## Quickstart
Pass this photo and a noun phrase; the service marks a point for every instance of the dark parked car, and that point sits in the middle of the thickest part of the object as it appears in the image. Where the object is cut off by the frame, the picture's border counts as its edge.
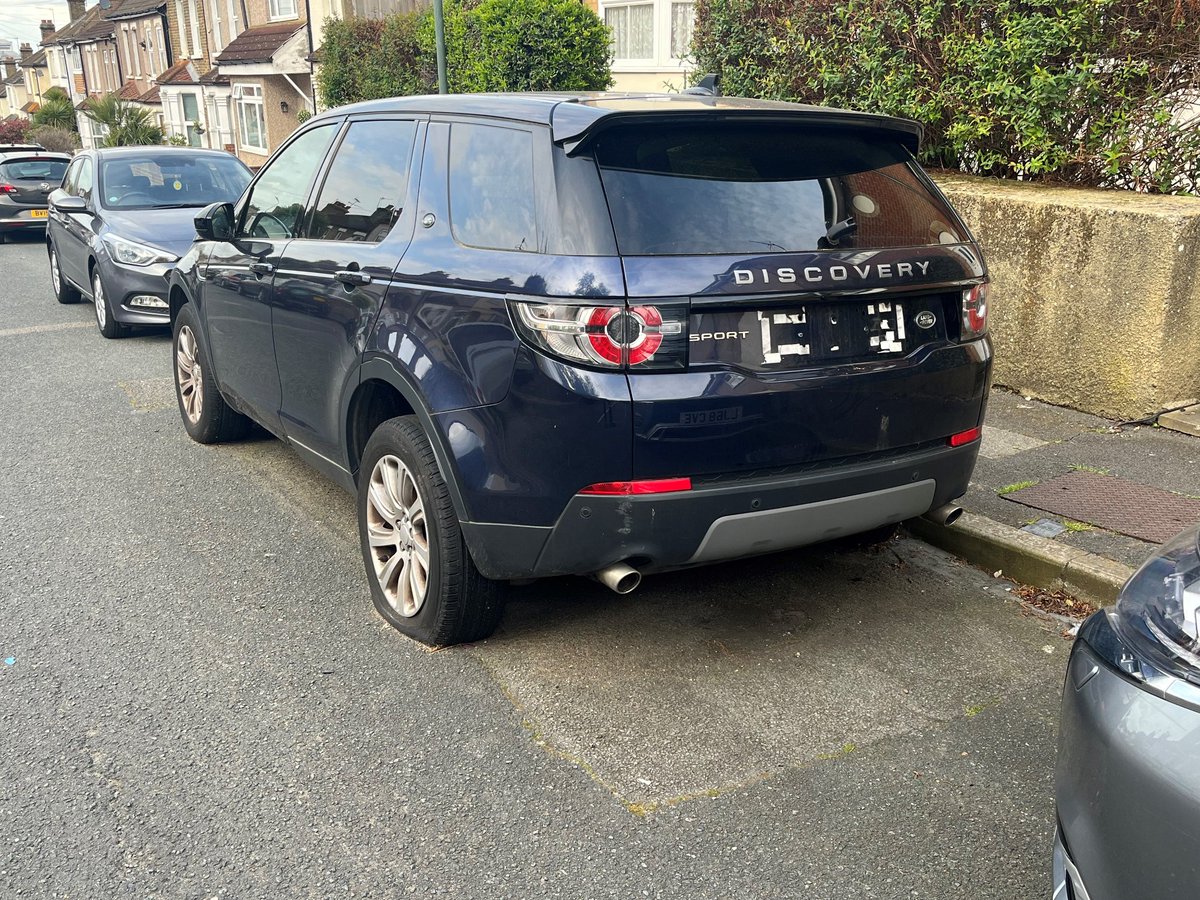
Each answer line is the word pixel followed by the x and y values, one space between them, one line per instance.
pixel 121 219
pixel 26 180
pixel 603 334
pixel 1128 787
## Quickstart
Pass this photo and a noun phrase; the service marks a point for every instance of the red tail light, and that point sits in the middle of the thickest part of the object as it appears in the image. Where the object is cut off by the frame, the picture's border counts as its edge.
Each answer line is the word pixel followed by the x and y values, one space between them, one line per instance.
pixel 648 337
pixel 625 488
pixel 7 189
pixel 965 437
pixel 975 311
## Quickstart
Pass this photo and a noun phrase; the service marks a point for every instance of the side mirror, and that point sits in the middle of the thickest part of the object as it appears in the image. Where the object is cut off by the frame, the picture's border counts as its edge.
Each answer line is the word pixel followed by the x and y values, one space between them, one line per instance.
pixel 215 222
pixel 71 203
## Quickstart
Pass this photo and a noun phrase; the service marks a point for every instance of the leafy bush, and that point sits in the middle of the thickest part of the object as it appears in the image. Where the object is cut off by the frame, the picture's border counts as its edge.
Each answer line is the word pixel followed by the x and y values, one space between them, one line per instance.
pixel 125 124
pixel 58 140
pixel 56 110
pixel 1081 91
pixel 495 45
pixel 13 131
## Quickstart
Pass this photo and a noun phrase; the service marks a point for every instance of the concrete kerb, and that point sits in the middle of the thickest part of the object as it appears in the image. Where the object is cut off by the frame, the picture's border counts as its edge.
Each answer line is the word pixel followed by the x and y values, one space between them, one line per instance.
pixel 1025 557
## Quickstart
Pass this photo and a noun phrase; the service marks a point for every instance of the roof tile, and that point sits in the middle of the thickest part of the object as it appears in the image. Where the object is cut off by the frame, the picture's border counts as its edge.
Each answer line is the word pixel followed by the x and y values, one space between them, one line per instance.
pixel 258 45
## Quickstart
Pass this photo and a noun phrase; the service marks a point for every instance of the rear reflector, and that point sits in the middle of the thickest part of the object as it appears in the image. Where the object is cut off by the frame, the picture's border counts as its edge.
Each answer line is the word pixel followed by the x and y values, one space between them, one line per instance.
pixel 622 488
pixel 965 437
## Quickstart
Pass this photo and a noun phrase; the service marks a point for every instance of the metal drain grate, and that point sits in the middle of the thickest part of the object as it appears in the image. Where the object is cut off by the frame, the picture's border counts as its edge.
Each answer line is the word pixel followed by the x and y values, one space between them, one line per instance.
pixel 1115 504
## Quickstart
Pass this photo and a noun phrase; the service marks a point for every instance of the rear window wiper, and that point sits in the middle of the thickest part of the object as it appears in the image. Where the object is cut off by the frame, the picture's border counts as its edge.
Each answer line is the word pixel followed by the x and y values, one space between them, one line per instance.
pixel 839 230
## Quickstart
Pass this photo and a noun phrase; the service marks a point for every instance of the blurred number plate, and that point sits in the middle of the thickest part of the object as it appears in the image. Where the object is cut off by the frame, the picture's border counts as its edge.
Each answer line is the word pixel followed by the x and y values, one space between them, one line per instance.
pixel 37 213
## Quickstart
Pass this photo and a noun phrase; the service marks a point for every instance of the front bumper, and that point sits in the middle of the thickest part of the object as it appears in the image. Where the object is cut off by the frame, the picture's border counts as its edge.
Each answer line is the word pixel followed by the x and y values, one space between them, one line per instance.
pixel 1127 785
pixel 725 520
pixel 129 288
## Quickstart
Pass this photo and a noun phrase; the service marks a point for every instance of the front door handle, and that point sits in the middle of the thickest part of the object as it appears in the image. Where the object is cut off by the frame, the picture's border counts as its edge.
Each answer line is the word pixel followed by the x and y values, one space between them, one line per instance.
pixel 262 268
pixel 352 278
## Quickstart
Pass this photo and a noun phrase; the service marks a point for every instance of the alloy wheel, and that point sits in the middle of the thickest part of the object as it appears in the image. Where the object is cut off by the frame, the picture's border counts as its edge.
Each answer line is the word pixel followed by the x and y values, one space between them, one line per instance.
pixel 55 278
pixel 190 375
pixel 398 533
pixel 101 306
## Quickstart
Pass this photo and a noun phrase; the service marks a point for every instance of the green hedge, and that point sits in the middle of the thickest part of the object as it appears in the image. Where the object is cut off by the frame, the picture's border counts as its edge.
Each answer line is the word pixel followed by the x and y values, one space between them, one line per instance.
pixel 495 45
pixel 1079 91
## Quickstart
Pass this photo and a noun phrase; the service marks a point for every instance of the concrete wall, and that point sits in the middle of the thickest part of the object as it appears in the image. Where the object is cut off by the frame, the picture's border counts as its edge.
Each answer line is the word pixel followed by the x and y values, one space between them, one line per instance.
pixel 1095 299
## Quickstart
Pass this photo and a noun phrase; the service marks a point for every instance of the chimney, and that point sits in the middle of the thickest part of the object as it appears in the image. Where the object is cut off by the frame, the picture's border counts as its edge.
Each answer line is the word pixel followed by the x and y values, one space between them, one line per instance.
pixel 26 52
pixel 75 8
pixel 10 67
pixel 47 29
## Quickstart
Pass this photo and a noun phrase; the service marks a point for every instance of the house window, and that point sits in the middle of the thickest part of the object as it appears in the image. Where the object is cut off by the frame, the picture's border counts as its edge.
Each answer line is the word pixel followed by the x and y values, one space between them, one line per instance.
pixel 232 21
pixel 191 118
pixel 283 9
pixel 76 60
pixel 150 51
pixel 194 28
pixel 683 18
pixel 162 49
pixel 213 13
pixel 632 27
pixel 252 125
pixel 179 14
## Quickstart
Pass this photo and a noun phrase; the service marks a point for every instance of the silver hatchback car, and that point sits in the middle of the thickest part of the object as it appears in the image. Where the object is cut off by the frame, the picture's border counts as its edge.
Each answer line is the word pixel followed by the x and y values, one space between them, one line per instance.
pixel 1128 781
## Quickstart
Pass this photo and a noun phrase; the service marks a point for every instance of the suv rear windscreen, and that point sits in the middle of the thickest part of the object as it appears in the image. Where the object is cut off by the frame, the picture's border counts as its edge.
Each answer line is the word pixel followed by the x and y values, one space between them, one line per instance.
pixel 764 188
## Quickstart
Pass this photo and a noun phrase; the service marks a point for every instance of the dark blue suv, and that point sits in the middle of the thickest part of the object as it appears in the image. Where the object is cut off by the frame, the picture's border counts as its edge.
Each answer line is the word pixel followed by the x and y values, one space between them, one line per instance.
pixel 594 334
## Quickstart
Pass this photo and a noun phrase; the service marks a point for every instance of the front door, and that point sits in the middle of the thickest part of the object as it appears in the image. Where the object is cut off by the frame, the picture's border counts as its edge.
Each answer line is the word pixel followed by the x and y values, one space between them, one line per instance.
pixel 332 280
pixel 240 275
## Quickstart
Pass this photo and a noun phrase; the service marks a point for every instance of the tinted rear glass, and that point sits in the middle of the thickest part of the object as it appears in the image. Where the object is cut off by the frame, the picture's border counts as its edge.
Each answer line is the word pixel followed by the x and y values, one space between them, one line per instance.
pixel 764 188
pixel 51 170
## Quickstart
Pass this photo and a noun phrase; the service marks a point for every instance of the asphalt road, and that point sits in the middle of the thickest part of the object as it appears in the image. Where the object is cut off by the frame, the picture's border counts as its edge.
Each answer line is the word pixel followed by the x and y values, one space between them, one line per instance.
pixel 197 699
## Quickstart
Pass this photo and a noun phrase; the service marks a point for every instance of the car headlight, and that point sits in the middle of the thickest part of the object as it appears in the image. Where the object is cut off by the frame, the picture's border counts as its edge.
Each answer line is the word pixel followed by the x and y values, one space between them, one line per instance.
pixel 1158 612
pixel 131 253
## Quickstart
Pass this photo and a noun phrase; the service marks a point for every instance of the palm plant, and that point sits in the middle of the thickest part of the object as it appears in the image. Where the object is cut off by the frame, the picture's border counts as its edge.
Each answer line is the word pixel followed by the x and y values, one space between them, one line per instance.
pixel 56 110
pixel 124 124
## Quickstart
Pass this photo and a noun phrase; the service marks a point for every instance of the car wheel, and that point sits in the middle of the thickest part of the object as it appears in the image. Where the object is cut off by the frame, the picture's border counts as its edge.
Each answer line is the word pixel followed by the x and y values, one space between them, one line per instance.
pixel 423 580
pixel 206 416
pixel 108 325
pixel 63 292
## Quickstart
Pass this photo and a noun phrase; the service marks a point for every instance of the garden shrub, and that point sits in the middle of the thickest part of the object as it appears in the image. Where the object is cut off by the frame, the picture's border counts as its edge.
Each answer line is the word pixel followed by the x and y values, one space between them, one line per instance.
pixel 492 45
pixel 1078 91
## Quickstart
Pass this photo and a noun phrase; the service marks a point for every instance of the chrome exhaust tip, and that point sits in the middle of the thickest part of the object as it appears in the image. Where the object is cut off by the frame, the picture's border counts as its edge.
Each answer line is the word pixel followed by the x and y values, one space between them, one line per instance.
pixel 620 578
pixel 946 514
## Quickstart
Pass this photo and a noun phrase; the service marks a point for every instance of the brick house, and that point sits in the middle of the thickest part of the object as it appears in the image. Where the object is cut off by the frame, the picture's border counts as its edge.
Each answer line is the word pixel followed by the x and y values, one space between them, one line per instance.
pixel 143 51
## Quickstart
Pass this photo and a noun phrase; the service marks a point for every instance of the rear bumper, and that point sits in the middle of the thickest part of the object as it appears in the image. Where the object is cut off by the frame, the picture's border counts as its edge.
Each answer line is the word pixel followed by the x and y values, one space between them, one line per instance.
pixel 725 519
pixel 1127 787
pixel 14 219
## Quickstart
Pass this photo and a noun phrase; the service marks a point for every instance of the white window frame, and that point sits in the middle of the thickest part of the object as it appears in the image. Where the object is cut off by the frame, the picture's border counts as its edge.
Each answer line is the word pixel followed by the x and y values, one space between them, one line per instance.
pixel 162 48
pixel 234 25
pixel 212 11
pixel 247 97
pixel 183 42
pixel 661 59
pixel 278 10
pixel 150 51
pixel 194 29
pixel 76 60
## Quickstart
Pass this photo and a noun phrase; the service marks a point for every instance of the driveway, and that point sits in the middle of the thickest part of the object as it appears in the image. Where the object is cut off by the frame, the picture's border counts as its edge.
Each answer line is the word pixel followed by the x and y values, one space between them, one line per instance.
pixel 197 699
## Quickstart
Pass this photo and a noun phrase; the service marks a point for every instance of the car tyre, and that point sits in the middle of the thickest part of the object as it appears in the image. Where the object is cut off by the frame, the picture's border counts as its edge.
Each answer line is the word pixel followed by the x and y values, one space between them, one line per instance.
pixel 423 580
pixel 206 416
pixel 64 292
pixel 105 321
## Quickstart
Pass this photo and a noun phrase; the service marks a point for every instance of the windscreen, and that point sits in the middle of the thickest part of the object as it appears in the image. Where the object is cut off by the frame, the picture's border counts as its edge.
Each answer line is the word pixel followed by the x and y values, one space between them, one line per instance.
pixel 764 188
pixel 166 180
pixel 49 170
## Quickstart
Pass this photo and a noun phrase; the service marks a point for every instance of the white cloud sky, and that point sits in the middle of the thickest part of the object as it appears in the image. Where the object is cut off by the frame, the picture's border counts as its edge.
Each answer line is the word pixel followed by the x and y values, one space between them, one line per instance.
pixel 19 18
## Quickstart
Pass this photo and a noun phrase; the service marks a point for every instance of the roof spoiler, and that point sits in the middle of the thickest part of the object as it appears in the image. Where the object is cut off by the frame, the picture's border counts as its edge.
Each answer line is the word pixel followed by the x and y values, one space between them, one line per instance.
pixel 574 131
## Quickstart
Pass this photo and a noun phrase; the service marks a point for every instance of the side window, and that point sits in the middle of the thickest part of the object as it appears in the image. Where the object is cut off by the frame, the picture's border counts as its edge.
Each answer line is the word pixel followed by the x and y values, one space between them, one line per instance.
pixel 276 201
pixel 72 176
pixel 363 194
pixel 83 184
pixel 491 187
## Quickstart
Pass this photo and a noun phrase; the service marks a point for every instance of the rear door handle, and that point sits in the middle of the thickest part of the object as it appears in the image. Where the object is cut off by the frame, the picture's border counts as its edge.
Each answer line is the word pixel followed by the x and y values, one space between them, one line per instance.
pixel 351 278
pixel 262 268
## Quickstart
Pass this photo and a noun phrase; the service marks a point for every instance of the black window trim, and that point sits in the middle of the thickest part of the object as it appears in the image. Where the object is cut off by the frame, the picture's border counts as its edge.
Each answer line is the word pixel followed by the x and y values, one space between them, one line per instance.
pixel 239 211
pixel 407 215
